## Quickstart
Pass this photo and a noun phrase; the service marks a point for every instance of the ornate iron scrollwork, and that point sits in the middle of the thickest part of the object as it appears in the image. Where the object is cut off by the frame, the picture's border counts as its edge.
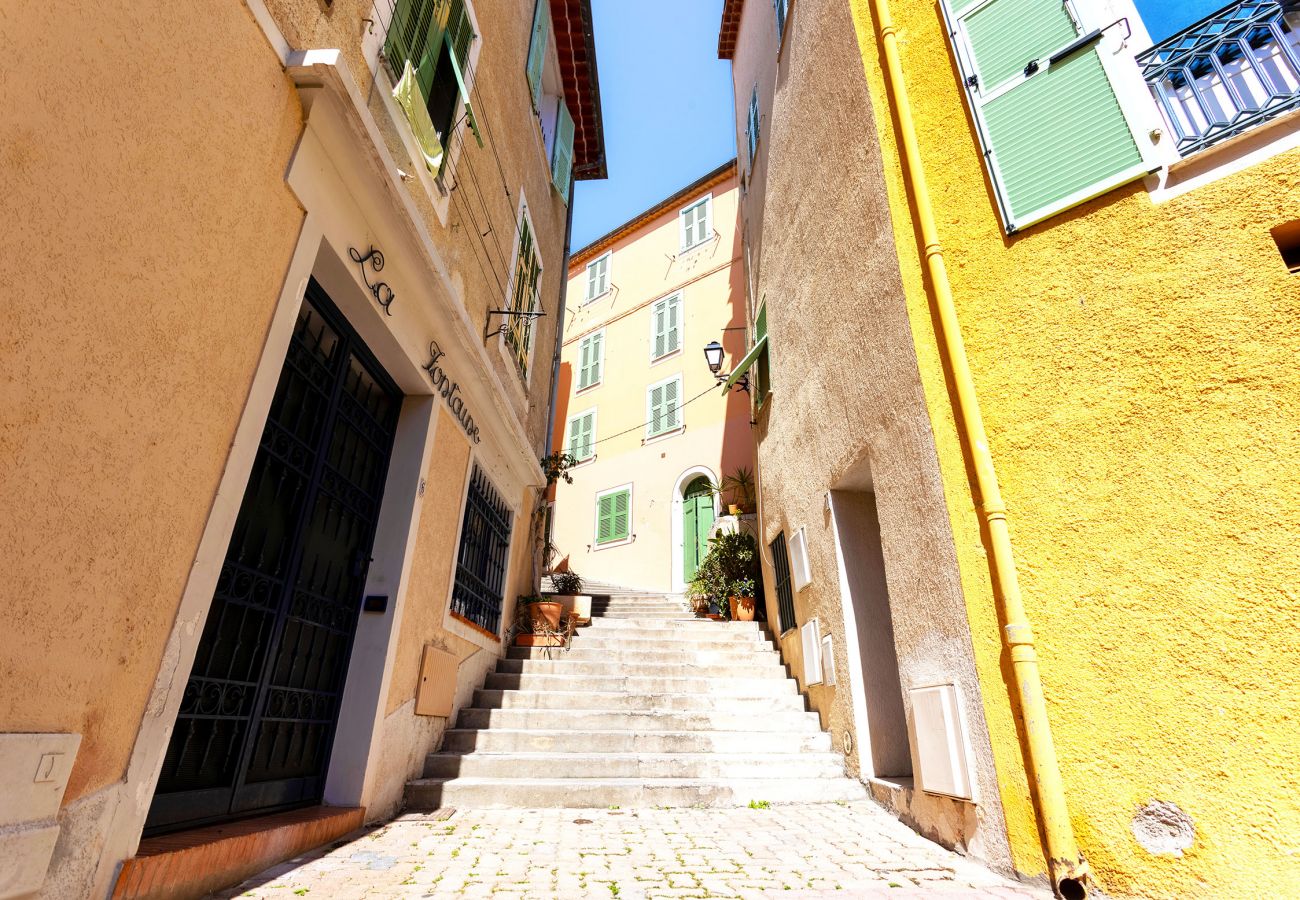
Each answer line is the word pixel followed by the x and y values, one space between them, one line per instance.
pixel 380 290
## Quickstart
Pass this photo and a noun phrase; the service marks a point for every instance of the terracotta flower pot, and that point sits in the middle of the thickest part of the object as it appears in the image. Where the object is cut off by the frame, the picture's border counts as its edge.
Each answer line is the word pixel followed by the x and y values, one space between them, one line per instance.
pixel 742 609
pixel 734 509
pixel 547 612
pixel 577 605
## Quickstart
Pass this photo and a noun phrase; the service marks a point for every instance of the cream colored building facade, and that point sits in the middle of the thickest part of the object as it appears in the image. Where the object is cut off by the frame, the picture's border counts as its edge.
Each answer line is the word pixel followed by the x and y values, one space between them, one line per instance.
pixel 254 393
pixel 637 403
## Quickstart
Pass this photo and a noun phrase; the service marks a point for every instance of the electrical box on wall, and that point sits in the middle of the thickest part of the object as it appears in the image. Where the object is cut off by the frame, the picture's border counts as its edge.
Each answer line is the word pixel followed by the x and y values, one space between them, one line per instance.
pixel 828 661
pixel 939 735
pixel 810 639
pixel 800 572
pixel 437 687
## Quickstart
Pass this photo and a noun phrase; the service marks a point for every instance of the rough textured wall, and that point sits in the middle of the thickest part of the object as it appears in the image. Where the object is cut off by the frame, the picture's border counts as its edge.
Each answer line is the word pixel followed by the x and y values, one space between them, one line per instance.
pixel 149 226
pixel 1134 365
pixel 847 410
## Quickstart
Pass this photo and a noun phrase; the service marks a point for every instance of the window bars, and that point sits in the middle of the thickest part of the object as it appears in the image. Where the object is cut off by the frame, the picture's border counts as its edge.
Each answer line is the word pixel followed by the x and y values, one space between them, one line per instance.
pixel 1225 74
pixel 484 551
pixel 784 595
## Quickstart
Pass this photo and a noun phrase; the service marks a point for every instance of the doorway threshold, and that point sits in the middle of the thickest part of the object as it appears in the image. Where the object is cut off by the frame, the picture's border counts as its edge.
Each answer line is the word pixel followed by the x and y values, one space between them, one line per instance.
pixel 202 860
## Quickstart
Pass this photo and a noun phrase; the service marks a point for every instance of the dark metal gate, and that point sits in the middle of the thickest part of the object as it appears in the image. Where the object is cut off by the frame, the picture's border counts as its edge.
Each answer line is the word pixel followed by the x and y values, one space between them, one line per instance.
pixel 257 718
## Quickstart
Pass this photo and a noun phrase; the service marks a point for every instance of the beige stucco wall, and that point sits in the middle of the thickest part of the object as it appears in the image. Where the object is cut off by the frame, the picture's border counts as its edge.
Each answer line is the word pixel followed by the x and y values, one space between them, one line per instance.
pixel 847 409
pixel 646 266
pixel 150 236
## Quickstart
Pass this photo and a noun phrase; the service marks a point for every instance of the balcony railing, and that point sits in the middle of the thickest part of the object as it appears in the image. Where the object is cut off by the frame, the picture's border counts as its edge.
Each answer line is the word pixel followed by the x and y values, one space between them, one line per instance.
pixel 1226 74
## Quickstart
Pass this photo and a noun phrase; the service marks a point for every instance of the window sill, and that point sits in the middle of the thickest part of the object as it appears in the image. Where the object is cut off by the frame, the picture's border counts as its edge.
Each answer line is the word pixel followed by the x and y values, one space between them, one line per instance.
pixel 673 355
pixel 663 436
pixel 469 623
pixel 684 251
pixel 588 389
pixel 610 545
pixel 1226 158
pixel 602 295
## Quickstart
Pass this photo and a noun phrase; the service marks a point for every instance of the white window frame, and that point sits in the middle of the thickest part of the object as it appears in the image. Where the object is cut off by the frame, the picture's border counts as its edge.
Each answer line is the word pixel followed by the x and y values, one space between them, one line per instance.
pixel 651 438
pixel 595 517
pixel 521 215
pixel 797 551
pixel 707 199
pixel 606 257
pixel 600 366
pixel 681 327
pixel 568 430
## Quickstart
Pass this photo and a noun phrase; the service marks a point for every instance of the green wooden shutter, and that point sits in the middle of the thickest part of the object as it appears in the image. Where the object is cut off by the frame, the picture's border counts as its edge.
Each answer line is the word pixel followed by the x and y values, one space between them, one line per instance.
pixel 597 357
pixel 587 435
pixel 656 410
pixel 575 437
pixel 584 362
pixel 605 519
pixel 621 519
pixel 672 415
pixel 562 156
pixel 672 328
pixel 415 33
pixel 660 318
pixel 537 49
pixel 1054 137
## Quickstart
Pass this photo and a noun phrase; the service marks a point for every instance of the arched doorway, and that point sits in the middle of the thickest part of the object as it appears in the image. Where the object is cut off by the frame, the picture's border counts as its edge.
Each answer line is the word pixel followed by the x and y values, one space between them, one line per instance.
pixel 697 522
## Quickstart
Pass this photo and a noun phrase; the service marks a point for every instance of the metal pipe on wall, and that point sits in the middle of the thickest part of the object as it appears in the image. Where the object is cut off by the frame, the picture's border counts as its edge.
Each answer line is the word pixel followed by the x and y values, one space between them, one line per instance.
pixel 1069 870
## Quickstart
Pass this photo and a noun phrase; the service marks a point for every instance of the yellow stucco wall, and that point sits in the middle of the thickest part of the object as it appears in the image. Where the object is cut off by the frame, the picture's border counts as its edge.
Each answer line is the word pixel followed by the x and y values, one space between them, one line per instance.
pixel 1134 364
pixel 149 238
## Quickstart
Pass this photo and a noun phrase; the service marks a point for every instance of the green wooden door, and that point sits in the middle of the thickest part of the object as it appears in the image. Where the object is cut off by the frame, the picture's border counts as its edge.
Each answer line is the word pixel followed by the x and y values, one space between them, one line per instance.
pixel 697 522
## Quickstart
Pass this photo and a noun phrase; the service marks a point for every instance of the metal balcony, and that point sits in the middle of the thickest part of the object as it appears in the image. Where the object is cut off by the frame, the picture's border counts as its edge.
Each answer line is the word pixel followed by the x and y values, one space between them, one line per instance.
pixel 1226 74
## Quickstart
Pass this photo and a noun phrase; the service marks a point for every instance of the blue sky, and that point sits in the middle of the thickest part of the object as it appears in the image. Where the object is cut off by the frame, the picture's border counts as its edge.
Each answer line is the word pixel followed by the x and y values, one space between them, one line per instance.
pixel 666 101
pixel 667 105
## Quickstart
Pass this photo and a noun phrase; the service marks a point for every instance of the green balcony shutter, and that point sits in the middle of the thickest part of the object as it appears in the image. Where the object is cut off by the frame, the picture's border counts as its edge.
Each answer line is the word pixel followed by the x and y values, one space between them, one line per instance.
pixel 673 337
pixel 537 49
pixel 656 410
pixel 575 437
pixel 562 155
pixel 584 362
pixel 597 357
pixel 415 33
pixel 1054 137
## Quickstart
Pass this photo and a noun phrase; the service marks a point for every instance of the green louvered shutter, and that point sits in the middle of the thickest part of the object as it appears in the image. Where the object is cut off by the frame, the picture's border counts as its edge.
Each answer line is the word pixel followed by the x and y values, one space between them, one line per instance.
pixel 656 423
pixel 415 33
pixel 575 437
pixel 586 435
pixel 597 358
pixel 660 319
pixel 537 49
pixel 584 362
pixel 673 329
pixel 620 526
pixel 1056 136
pixel 605 519
pixel 562 155
pixel 671 413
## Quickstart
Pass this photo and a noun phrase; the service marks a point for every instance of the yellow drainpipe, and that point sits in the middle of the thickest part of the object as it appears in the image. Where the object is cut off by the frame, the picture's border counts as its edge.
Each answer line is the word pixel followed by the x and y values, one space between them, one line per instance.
pixel 1068 869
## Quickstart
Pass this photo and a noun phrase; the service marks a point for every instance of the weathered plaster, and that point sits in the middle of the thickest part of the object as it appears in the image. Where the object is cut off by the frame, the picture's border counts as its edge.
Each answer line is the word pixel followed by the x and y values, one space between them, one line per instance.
pixel 1133 366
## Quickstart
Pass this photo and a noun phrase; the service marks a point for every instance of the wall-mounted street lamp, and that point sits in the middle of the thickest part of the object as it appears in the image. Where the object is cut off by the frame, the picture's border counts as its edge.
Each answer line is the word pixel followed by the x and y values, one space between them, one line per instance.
pixel 713 356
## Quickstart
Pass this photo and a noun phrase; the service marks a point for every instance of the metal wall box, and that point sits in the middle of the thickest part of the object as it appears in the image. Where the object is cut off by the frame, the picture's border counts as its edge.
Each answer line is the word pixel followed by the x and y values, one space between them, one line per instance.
pixel 437 687
pixel 939 735
pixel 810 637
pixel 800 571
pixel 34 770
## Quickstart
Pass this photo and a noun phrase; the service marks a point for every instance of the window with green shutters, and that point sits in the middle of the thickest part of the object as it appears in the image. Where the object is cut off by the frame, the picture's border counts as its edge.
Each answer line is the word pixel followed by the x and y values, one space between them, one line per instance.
pixel 696 223
pixel 436 36
pixel 525 293
pixel 663 407
pixel 562 152
pixel 614 516
pixel 1053 129
pixel 591 360
pixel 598 277
pixel 537 46
pixel 582 436
pixel 666 327
pixel 762 378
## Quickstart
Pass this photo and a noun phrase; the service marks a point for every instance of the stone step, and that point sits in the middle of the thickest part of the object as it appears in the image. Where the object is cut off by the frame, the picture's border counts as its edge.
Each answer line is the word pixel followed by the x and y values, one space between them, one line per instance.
pixel 488 698
pixel 683 653
pixel 635 684
pixel 560 666
pixel 657 625
pixel 722 718
pixel 634 765
pixel 731 641
pixel 588 793
pixel 642 617
pixel 558 740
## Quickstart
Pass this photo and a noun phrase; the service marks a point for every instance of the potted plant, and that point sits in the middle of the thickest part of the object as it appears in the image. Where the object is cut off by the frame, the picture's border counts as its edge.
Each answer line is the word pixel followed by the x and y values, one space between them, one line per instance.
pixel 730 570
pixel 541 616
pixel 568 591
pixel 741 486
pixel 740 601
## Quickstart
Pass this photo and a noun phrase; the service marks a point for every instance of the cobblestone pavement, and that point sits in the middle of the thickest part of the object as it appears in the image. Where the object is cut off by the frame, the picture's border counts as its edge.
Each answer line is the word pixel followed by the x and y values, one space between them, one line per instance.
pixel 850 850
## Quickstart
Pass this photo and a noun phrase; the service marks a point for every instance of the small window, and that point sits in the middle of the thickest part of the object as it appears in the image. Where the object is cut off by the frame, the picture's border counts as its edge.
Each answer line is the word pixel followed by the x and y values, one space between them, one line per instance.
pixel 697 224
pixel 524 296
pixel 591 360
pixel 614 516
pixel 782 11
pixel 597 278
pixel 484 554
pixel 663 407
pixel 582 436
pixel 784 596
pixel 799 569
pixel 666 327
pixel 428 49
pixel 753 127
pixel 1287 238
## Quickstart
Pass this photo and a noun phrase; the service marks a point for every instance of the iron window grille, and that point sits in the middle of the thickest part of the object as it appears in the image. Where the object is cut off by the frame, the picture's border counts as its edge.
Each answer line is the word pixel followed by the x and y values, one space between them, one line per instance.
pixel 478 593
pixel 784 594
pixel 1225 74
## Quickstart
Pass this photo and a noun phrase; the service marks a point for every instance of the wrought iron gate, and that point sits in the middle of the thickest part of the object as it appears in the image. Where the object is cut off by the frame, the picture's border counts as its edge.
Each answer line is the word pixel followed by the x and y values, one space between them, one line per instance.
pixel 257 718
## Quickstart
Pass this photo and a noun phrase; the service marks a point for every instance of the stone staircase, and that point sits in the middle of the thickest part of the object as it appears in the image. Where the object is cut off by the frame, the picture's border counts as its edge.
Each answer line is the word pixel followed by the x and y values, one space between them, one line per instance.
pixel 649 707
